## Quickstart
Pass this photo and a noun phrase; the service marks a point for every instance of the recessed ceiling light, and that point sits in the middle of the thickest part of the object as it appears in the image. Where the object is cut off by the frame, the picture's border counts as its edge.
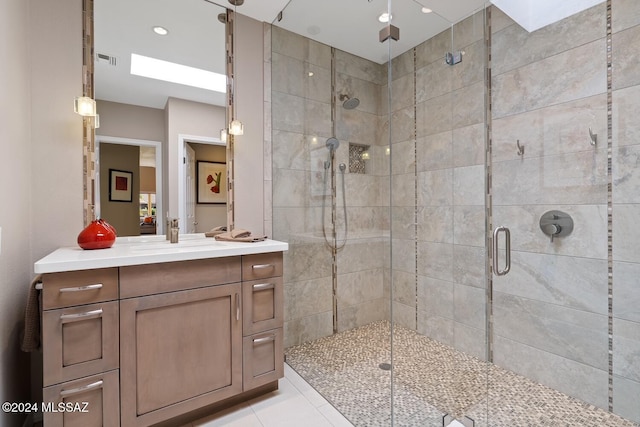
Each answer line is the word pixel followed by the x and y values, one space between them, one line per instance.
pixel 426 10
pixel 310 73
pixel 314 30
pixel 158 69
pixel 385 17
pixel 162 31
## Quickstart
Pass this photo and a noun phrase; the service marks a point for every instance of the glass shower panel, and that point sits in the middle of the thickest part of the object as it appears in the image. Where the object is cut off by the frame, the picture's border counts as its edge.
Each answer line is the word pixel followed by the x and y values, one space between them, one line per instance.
pixel 330 201
pixel 301 123
pixel 438 223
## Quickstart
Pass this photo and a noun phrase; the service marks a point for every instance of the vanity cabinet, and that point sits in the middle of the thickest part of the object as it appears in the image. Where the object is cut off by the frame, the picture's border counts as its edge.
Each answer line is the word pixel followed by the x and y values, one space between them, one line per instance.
pixel 80 346
pixel 263 314
pixel 161 343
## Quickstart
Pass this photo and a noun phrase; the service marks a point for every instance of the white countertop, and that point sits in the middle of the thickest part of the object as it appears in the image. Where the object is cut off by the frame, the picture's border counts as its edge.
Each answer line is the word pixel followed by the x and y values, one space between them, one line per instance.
pixel 150 250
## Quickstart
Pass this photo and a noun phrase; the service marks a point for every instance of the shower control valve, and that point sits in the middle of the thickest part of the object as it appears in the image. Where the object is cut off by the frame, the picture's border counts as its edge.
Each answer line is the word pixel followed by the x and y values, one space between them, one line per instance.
pixel 556 224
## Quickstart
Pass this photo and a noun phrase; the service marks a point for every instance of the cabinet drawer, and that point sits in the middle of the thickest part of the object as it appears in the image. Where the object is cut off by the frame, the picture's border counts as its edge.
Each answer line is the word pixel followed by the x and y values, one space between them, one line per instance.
pixel 262 305
pixel 79 341
pixel 91 401
pixel 263 358
pixel 79 287
pixel 260 266
pixel 140 280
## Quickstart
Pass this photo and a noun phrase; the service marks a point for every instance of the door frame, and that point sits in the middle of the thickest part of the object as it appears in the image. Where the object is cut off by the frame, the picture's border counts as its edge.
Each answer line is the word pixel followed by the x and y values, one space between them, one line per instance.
pixel 184 139
pixel 105 139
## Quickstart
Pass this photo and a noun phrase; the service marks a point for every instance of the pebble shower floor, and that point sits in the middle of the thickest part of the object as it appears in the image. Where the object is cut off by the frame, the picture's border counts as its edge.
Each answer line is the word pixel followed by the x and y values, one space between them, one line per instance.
pixel 430 380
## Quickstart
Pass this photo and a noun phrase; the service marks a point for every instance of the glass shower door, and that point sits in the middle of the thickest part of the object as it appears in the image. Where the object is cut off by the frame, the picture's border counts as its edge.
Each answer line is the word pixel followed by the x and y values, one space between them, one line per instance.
pixel 559 331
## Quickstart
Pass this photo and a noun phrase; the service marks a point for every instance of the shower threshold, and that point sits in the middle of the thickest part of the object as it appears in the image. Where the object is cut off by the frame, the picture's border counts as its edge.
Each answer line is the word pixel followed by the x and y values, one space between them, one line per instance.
pixel 449 421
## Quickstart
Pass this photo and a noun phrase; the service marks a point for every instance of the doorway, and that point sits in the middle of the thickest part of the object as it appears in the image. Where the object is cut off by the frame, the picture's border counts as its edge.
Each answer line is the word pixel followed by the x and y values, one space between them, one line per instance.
pixel 195 214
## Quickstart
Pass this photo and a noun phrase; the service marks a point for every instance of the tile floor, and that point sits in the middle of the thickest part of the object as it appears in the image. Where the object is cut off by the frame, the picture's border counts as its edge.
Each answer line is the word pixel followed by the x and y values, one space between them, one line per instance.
pixel 294 404
pixel 430 380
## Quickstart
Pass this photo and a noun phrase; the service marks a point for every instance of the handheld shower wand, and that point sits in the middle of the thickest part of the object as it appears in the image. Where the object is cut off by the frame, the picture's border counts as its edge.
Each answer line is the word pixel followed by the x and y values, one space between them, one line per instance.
pixel 332 145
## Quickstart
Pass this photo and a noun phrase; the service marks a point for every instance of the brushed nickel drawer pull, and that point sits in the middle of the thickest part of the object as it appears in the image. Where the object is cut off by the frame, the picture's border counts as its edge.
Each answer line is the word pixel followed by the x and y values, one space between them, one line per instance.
pixel 263 286
pixel 237 306
pixel 82 288
pixel 263 340
pixel 70 392
pixel 79 316
pixel 262 266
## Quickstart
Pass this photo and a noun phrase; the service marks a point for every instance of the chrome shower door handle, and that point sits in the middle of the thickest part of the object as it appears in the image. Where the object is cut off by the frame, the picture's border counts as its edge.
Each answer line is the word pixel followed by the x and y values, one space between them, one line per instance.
pixel 496 250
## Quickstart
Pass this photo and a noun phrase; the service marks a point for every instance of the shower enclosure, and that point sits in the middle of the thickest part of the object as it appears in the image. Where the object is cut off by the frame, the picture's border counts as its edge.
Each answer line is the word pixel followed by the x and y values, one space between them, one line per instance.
pixel 487 252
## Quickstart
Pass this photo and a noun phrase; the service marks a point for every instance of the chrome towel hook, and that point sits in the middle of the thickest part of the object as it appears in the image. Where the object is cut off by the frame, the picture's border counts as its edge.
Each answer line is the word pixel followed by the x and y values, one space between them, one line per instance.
pixel 594 137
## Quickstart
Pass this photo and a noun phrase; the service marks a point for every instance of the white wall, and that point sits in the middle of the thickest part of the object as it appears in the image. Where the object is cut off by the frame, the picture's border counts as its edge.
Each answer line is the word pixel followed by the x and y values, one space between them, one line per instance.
pixel 15 207
pixel 56 152
pixel 41 161
pixel 186 118
pixel 131 121
pixel 249 148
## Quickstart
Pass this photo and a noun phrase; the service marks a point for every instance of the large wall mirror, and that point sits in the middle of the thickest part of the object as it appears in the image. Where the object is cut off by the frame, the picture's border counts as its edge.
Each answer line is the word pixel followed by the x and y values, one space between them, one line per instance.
pixel 158 148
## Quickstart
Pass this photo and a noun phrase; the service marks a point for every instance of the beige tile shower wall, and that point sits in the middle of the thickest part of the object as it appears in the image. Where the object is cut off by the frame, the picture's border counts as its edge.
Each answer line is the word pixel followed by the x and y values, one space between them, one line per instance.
pixel 450 188
pixel 361 265
pixel 403 194
pixel 626 207
pixel 550 311
pixel 301 124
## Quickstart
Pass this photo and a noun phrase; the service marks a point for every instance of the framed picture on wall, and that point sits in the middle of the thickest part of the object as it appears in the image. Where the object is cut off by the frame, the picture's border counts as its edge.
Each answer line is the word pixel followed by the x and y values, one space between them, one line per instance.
pixel 211 182
pixel 120 186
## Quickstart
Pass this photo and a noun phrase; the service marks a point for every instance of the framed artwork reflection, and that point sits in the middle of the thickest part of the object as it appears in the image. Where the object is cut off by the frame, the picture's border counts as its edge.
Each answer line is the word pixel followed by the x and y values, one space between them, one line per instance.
pixel 211 182
pixel 120 186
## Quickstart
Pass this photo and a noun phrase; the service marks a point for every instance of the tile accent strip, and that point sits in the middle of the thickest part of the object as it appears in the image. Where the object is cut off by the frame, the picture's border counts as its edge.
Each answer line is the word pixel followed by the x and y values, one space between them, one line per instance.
pixel 488 199
pixel 88 130
pixel 610 195
pixel 415 176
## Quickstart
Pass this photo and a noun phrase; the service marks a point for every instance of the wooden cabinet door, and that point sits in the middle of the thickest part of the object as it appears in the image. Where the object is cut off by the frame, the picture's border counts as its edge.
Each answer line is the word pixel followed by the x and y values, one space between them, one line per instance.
pixel 262 305
pixel 179 351
pixel 79 341
pixel 88 402
pixel 263 358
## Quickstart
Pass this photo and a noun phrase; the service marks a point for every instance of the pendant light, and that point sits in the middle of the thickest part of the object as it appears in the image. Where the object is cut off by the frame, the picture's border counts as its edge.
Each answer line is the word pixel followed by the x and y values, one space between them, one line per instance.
pixel 85 106
pixel 235 126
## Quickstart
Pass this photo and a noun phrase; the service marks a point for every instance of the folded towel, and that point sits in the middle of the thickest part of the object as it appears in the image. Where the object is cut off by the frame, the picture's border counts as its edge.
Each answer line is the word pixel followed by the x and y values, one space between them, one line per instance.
pixel 31 333
pixel 239 236
pixel 239 232
pixel 215 231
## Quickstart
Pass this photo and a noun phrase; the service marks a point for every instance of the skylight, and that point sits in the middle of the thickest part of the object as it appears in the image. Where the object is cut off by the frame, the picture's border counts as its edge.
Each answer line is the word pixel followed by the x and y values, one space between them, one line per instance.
pixel 535 14
pixel 158 69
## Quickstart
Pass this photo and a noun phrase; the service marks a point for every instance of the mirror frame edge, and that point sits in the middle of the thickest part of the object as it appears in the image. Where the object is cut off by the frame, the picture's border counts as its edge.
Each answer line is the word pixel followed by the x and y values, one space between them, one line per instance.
pixel 88 125
pixel 230 59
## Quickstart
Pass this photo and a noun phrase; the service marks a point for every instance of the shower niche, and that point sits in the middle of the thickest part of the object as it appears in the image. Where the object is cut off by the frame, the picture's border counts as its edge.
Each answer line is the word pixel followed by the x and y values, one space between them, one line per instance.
pixel 358 157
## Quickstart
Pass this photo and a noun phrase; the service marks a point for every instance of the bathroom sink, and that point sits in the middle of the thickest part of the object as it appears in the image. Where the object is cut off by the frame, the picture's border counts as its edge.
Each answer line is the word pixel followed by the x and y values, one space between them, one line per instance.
pixel 187 242
pixel 168 245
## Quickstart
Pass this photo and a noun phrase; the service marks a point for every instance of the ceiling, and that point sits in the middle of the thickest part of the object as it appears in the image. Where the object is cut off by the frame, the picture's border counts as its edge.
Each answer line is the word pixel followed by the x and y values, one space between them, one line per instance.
pixel 196 37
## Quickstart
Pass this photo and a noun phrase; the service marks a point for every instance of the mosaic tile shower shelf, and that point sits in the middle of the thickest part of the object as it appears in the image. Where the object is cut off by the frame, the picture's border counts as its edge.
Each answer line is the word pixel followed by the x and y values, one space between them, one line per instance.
pixel 430 380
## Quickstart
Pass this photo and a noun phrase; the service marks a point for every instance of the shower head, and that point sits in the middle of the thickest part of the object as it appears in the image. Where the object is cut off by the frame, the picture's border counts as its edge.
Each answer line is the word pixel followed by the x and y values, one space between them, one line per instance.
pixel 333 144
pixel 348 102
